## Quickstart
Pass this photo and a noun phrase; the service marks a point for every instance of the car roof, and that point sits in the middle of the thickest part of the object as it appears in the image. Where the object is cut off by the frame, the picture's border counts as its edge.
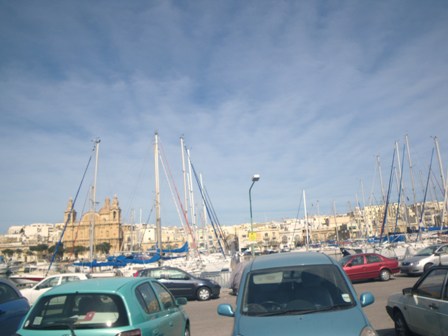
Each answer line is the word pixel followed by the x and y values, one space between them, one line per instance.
pixel 12 285
pixel 290 259
pixel 101 285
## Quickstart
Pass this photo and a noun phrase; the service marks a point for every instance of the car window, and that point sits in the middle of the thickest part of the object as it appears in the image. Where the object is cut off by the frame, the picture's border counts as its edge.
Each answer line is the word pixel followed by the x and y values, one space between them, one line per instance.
pixel 431 286
pixel 373 258
pixel 49 282
pixel 358 260
pixel 156 274
pixel 69 279
pixel 444 249
pixel 295 289
pixel 78 311
pixel 165 297
pixel 7 293
pixel 147 298
pixel 176 275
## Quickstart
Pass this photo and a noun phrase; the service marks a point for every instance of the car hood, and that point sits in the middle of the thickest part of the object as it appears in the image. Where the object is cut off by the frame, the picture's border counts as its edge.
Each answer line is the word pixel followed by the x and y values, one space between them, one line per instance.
pixel 343 322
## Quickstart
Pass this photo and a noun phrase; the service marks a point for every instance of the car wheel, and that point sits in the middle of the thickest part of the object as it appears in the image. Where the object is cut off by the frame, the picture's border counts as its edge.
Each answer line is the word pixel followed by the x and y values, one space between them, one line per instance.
pixel 385 275
pixel 203 294
pixel 427 267
pixel 401 327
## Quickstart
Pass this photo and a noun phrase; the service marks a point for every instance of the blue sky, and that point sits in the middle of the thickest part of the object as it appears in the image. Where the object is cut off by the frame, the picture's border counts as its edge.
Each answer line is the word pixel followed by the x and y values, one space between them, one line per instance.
pixel 305 93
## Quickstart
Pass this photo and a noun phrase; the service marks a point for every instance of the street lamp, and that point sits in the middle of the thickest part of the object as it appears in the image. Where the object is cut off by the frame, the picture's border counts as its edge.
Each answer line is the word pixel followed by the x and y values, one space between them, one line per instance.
pixel 255 178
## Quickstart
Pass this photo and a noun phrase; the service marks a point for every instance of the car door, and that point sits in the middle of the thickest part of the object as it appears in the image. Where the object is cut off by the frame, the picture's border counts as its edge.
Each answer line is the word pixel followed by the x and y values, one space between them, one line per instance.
pixel 425 308
pixel 443 310
pixel 159 320
pixel 154 322
pixel 179 283
pixel 43 287
pixel 373 265
pixel 443 255
pixel 174 315
pixel 356 268
pixel 12 309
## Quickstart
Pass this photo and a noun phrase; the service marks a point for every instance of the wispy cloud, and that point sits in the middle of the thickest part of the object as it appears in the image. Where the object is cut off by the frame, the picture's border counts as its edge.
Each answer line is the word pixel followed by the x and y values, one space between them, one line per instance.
pixel 305 93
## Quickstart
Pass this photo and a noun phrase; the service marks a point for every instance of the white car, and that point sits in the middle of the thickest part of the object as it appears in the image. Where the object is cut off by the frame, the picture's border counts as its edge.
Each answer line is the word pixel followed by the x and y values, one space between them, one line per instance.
pixel 422 309
pixel 54 280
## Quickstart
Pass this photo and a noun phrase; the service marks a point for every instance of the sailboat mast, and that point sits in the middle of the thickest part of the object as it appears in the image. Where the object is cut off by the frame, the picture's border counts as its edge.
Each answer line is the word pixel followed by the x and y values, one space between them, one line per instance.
pixel 184 174
pixel 157 185
pixel 93 207
pixel 191 194
pixel 383 195
pixel 336 222
pixel 306 221
pixel 436 141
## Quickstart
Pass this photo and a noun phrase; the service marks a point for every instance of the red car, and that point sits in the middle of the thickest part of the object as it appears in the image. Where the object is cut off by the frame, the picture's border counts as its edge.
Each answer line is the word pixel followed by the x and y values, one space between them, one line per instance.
pixel 365 266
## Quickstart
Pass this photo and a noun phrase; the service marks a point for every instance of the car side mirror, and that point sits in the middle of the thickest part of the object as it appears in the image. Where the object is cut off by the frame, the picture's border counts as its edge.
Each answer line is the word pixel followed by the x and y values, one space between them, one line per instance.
pixel 225 309
pixel 407 291
pixel 181 301
pixel 349 265
pixel 366 299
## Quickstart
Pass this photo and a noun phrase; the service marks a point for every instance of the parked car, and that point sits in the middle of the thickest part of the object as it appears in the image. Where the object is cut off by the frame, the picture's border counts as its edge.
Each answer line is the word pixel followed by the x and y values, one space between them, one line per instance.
pixel 183 284
pixel 290 293
pixel 366 266
pixel 13 307
pixel 107 306
pixel 54 280
pixel 425 259
pixel 423 308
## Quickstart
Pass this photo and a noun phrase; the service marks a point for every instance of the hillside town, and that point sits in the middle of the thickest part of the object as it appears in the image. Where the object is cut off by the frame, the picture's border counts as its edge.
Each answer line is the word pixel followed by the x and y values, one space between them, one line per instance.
pixel 112 236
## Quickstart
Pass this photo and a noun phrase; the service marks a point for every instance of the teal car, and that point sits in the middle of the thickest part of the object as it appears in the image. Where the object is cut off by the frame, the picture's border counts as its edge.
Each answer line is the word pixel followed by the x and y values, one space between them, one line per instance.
pixel 107 306
pixel 297 294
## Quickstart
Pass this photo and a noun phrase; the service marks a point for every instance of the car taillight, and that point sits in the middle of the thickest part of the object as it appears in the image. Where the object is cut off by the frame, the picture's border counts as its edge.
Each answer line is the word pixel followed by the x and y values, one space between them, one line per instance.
pixel 136 274
pixel 135 332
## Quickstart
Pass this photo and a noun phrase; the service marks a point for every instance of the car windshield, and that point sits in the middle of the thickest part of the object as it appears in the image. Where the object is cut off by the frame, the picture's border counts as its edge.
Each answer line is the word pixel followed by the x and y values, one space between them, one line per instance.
pixel 77 311
pixel 427 251
pixel 295 290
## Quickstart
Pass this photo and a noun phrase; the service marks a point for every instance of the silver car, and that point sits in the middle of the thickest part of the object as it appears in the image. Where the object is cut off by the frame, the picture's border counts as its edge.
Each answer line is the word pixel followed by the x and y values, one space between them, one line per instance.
pixel 422 309
pixel 425 259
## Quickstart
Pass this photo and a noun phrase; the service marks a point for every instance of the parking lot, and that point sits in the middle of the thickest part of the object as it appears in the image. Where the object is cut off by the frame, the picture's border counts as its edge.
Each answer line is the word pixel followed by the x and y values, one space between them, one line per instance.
pixel 206 321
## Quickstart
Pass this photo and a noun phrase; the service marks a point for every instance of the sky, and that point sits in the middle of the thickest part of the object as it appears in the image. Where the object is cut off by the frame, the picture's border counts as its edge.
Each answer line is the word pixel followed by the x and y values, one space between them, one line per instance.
pixel 313 96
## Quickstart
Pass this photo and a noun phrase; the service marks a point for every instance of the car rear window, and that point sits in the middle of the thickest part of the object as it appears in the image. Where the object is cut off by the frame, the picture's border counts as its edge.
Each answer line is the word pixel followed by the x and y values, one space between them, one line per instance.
pixel 77 311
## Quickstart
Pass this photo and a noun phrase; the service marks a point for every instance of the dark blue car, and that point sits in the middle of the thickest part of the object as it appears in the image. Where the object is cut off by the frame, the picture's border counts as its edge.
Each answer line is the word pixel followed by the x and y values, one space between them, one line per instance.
pixel 13 307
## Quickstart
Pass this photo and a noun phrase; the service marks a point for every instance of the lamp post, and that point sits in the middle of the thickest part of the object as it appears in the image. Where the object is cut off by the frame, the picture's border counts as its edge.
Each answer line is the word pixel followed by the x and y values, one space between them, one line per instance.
pixel 255 178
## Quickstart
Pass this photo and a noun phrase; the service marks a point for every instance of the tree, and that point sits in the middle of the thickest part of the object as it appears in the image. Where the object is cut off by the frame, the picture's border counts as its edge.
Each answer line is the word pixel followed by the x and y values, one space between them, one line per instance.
pixel 8 252
pixel 103 247
pixel 39 249
pixel 60 251
pixel 79 249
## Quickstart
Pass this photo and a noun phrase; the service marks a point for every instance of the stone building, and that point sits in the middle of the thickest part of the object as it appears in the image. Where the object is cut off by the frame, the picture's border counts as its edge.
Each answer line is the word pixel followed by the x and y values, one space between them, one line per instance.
pixel 106 224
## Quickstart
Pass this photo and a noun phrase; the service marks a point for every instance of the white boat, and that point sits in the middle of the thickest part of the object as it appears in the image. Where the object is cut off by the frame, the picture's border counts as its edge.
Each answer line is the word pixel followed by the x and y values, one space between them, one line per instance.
pixel 33 273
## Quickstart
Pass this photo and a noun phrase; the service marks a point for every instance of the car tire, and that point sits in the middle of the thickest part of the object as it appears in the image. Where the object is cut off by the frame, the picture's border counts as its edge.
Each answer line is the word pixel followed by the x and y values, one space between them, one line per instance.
pixel 427 267
pixel 203 294
pixel 401 327
pixel 385 275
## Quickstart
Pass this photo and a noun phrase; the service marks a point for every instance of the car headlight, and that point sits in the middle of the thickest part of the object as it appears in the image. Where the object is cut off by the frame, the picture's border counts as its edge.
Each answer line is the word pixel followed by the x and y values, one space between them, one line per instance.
pixel 368 331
